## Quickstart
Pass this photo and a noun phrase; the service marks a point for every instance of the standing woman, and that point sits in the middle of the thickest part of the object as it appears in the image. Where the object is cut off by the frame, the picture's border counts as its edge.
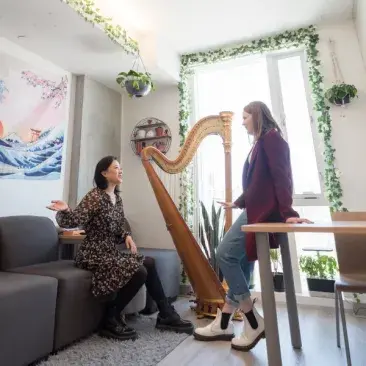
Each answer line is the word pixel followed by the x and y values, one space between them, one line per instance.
pixel 121 275
pixel 266 197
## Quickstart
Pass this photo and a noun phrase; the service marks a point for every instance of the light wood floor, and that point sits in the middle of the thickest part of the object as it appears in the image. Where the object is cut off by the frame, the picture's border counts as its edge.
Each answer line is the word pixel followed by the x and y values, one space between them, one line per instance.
pixel 318 338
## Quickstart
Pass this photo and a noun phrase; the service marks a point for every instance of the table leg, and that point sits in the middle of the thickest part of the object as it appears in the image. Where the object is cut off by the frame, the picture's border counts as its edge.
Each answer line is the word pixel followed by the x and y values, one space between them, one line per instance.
pixel 268 301
pixel 293 316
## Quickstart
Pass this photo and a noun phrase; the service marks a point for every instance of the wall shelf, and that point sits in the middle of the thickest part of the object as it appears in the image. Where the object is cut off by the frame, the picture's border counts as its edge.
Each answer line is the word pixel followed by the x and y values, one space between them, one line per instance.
pixel 151 132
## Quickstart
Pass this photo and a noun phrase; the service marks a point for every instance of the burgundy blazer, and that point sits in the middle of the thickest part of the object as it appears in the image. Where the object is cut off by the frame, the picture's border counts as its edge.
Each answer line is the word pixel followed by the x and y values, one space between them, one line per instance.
pixel 267 187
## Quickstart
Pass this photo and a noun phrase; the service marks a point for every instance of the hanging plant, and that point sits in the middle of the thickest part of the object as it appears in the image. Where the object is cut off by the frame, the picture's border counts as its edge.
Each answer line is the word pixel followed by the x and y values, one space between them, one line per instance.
pixel 137 84
pixel 341 94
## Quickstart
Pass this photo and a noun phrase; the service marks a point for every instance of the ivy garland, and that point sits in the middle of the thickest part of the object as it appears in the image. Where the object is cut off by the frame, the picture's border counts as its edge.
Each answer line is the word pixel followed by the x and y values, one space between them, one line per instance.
pixel 303 37
pixel 89 11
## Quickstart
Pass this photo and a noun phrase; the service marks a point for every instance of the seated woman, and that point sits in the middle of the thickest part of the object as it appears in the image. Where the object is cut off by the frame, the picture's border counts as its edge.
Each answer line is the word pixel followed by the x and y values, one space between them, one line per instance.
pixel 101 215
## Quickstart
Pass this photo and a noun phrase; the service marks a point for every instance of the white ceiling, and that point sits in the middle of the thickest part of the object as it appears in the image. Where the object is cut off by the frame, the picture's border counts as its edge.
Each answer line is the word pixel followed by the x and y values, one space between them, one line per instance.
pixel 54 31
pixel 191 25
pixel 164 29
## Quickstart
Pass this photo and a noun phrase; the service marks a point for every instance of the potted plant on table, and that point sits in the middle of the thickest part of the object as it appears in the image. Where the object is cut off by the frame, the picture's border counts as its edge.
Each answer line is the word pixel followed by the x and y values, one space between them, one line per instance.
pixel 278 281
pixel 341 93
pixel 320 272
pixel 137 84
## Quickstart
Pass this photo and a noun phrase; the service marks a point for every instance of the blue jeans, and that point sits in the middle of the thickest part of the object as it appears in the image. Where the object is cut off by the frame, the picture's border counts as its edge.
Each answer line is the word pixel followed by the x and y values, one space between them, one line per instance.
pixel 233 262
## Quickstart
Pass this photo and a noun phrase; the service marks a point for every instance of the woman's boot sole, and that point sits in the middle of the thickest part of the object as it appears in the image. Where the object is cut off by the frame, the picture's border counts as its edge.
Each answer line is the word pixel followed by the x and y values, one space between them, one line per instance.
pixel 110 335
pixel 251 346
pixel 219 337
pixel 187 330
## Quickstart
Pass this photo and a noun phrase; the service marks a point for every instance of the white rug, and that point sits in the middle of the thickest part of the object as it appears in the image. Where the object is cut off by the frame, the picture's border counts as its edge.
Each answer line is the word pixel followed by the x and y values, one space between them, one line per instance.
pixel 148 350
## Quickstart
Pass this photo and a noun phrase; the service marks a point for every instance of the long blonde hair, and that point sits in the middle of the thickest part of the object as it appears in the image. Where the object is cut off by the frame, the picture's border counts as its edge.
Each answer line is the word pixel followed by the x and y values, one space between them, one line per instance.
pixel 263 120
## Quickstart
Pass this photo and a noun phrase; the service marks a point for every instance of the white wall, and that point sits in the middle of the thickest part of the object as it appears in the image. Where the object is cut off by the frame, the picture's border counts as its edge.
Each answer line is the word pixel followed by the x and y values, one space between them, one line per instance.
pixel 349 123
pixel 140 204
pixel 31 196
pixel 100 130
pixel 361 26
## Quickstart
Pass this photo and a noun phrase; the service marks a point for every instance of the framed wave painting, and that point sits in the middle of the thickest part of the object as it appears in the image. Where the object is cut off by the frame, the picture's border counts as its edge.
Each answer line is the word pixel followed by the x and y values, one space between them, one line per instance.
pixel 33 113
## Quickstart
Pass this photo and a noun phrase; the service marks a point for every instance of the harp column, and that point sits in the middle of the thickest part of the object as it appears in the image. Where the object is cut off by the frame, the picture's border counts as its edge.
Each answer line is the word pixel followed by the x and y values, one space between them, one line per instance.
pixel 227 119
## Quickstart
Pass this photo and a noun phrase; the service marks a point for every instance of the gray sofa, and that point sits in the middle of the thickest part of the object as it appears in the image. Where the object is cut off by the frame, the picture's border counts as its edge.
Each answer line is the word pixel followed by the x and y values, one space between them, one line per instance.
pixel 45 303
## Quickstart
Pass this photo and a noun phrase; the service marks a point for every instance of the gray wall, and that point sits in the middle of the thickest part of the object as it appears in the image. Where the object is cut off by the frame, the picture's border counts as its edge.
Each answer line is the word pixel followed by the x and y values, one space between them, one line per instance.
pixel 97 133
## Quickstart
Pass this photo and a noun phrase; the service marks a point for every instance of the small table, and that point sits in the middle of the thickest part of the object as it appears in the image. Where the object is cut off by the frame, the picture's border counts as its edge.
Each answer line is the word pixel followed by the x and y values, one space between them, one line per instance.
pixel 268 299
pixel 70 239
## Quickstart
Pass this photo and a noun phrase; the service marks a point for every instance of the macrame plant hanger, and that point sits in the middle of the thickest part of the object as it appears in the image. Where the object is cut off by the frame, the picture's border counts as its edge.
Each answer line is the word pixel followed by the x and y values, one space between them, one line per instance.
pixel 337 72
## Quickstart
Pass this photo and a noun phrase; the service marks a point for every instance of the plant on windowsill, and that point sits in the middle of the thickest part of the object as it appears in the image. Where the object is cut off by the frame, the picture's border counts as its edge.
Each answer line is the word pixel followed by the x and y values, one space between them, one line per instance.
pixel 340 94
pixel 320 272
pixel 210 234
pixel 137 84
pixel 278 281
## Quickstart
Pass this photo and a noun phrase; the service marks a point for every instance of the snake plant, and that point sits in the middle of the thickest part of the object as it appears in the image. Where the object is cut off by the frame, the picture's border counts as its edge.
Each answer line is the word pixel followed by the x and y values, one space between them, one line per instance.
pixel 211 232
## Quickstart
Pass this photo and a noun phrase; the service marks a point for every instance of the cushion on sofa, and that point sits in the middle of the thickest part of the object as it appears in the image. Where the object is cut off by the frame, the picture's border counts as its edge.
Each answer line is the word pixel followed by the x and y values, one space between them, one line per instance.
pixel 78 313
pixel 26 240
pixel 27 316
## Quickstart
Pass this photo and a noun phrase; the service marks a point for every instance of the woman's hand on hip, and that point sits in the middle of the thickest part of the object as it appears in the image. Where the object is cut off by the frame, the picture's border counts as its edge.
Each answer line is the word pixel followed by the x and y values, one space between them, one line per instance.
pixel 130 244
pixel 298 220
pixel 227 205
pixel 58 206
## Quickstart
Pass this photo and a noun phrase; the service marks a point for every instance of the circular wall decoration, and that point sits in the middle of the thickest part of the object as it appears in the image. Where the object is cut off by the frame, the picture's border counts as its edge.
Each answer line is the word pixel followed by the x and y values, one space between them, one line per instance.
pixel 151 132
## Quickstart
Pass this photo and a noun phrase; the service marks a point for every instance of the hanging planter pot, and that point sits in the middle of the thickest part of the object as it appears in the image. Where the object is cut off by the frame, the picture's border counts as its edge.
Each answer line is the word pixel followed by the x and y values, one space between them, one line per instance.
pixel 341 94
pixel 137 84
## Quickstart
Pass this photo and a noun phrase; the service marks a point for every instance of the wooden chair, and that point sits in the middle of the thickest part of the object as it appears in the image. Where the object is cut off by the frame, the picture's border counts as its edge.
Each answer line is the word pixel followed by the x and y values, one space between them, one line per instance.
pixel 351 253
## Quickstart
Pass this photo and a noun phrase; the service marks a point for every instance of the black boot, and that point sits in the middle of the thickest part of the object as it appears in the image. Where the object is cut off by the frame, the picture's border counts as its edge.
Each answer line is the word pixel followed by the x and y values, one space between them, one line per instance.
pixel 116 327
pixel 169 319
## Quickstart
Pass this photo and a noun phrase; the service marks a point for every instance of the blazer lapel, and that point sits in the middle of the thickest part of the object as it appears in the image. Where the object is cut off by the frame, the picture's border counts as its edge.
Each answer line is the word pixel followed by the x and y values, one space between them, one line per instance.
pixel 252 160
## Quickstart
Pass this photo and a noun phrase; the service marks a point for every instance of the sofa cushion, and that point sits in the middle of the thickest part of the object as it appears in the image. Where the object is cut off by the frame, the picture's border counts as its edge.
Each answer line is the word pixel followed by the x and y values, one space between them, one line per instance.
pixel 78 312
pixel 27 240
pixel 27 317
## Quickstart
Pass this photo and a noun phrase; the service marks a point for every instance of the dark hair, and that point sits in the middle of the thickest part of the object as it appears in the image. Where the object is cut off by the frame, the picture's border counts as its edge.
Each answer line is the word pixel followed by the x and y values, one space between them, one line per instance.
pixel 99 179
pixel 263 120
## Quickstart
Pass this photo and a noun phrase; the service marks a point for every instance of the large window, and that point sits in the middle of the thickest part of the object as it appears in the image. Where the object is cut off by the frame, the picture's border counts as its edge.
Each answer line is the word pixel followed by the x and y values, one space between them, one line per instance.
pixel 279 80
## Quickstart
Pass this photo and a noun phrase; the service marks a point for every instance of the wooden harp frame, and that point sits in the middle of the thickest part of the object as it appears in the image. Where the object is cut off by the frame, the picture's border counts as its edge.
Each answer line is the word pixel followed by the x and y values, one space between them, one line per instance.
pixel 210 292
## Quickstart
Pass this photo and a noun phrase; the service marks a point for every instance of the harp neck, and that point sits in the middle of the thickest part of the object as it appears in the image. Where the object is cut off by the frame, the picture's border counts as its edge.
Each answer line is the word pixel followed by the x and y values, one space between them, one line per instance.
pixel 212 125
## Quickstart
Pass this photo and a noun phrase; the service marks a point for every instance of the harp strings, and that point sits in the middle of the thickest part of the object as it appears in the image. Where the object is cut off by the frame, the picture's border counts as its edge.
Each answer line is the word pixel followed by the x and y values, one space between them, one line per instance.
pixel 171 183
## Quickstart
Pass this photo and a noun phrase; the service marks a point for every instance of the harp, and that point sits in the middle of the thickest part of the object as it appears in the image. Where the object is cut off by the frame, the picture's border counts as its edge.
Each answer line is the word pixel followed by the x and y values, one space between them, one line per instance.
pixel 209 291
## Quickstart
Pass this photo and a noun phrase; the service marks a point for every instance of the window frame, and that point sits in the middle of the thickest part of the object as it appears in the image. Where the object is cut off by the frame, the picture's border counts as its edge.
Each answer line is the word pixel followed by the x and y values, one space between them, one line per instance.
pixel 271 59
pixel 308 198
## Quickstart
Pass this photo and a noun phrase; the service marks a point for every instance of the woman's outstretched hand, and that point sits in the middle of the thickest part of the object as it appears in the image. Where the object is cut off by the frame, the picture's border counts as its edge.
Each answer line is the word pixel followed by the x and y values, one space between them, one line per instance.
pixel 130 244
pixel 227 205
pixel 58 206
pixel 298 220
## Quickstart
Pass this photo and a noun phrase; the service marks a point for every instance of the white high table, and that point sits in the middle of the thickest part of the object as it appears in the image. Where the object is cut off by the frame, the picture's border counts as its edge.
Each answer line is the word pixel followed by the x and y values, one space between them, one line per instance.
pixel 268 299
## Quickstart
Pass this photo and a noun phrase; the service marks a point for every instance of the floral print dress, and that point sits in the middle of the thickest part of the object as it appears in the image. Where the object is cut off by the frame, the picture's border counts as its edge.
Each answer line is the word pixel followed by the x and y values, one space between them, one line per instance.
pixel 104 225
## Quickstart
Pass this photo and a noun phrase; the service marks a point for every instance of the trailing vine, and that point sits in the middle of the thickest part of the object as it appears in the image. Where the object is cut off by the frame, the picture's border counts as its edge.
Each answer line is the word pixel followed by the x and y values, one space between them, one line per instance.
pixel 303 37
pixel 89 11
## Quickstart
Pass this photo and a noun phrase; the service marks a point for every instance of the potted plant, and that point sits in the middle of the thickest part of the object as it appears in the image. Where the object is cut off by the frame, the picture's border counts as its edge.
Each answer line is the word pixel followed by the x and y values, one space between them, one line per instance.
pixel 137 84
pixel 320 272
pixel 185 287
pixel 359 307
pixel 211 232
pixel 278 281
pixel 341 93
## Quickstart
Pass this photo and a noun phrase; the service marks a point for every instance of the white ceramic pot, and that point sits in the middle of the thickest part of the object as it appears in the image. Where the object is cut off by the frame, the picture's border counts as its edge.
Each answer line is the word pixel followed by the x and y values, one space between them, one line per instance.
pixel 150 133
pixel 141 134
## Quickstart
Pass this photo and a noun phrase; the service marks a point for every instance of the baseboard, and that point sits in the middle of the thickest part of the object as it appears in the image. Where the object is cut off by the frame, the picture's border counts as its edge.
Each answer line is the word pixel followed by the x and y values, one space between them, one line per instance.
pixel 306 300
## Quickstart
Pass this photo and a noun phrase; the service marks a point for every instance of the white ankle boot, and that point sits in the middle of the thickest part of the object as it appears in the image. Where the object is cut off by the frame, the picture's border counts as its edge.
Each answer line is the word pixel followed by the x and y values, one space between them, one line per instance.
pixel 249 336
pixel 213 331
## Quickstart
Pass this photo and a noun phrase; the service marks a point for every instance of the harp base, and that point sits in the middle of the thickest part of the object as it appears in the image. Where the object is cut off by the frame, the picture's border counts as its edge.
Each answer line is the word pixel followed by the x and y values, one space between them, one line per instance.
pixel 207 308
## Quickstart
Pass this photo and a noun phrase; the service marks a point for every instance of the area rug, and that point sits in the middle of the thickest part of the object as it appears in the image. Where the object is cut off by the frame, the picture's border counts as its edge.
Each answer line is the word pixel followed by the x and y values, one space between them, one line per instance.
pixel 148 350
